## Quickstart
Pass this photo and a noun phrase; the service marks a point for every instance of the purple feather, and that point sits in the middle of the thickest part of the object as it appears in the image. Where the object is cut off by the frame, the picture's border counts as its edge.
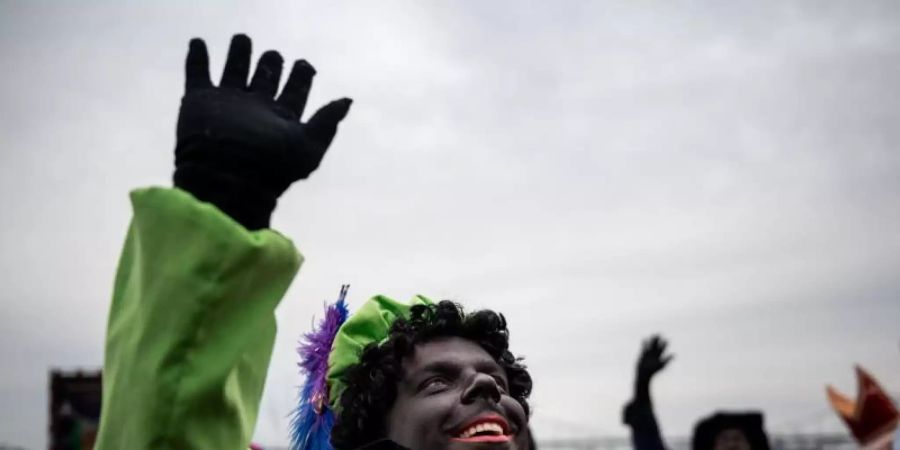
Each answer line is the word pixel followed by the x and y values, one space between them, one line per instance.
pixel 313 419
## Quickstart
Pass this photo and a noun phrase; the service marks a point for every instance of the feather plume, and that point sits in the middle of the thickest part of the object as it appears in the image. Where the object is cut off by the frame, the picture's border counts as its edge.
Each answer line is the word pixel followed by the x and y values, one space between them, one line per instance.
pixel 313 419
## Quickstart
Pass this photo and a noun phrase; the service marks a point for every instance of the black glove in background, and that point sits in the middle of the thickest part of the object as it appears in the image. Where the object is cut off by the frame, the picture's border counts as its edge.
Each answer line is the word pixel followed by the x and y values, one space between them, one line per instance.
pixel 237 146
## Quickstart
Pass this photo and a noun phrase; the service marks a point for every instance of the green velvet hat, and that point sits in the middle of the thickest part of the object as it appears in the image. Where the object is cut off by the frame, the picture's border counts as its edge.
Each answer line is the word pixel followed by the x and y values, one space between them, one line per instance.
pixel 370 324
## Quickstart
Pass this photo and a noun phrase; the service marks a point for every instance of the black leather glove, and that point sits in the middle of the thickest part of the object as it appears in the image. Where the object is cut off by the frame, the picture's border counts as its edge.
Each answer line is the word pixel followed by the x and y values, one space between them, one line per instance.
pixel 237 146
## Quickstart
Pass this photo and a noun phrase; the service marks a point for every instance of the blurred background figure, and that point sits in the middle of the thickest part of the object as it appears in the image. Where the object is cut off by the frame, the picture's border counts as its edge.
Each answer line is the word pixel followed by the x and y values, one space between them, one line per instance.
pixel 638 414
pixel 74 409
pixel 872 418
pixel 721 431
pixel 731 431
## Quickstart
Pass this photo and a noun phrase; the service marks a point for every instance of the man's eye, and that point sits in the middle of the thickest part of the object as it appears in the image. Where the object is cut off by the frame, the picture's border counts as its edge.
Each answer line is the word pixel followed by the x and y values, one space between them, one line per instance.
pixel 434 383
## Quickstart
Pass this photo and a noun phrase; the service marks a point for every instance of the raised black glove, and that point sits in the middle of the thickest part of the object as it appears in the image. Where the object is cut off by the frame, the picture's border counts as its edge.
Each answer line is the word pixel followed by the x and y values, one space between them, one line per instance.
pixel 237 146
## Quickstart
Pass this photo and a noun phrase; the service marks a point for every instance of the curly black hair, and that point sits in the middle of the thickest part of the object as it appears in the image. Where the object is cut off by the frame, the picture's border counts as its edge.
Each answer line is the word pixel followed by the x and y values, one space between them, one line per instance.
pixel 372 383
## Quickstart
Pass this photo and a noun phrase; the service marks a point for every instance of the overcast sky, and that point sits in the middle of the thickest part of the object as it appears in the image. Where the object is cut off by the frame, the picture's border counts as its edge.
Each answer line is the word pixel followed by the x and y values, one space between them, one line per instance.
pixel 726 173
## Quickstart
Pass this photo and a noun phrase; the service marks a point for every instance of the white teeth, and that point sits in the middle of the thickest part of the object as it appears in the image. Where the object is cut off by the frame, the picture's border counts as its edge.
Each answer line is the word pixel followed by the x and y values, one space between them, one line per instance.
pixel 493 428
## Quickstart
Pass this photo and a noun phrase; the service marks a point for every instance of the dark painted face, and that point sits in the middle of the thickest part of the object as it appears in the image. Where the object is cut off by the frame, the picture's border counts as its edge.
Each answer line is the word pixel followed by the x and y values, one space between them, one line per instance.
pixel 731 439
pixel 453 396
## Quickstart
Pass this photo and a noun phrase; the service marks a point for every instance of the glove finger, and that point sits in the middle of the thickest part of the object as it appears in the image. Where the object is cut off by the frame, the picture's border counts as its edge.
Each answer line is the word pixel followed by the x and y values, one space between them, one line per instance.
pixel 296 89
pixel 665 361
pixel 196 67
pixel 268 73
pixel 323 125
pixel 237 66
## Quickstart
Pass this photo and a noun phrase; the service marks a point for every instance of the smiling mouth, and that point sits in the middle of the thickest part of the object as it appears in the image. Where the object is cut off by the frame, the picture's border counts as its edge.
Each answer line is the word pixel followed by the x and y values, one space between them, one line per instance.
pixel 485 429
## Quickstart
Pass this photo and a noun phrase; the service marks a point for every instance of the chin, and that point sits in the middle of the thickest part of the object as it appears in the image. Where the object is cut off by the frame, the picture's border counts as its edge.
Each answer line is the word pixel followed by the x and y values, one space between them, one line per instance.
pixel 491 443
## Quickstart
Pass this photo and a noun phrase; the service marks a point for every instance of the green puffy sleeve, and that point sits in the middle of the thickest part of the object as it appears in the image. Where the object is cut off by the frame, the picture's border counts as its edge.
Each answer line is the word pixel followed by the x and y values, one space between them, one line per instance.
pixel 191 326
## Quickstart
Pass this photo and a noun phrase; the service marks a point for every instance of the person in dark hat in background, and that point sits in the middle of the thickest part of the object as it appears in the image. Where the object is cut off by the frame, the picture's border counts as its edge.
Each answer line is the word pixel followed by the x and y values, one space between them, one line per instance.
pixel 721 431
pixel 730 431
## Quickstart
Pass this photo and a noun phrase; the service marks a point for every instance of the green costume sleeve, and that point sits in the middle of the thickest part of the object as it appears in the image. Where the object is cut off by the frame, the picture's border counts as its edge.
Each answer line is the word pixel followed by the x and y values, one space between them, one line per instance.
pixel 191 326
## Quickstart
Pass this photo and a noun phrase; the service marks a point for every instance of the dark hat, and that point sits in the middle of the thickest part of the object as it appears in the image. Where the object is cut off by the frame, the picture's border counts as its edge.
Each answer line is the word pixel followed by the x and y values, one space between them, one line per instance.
pixel 750 423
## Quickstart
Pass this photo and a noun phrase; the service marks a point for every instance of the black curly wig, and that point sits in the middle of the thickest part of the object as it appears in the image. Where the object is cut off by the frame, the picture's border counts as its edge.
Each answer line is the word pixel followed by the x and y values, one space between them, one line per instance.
pixel 372 383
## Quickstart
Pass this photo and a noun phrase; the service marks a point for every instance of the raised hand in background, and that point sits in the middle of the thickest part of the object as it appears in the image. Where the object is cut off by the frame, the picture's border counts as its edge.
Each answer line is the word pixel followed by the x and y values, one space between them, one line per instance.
pixel 638 413
pixel 652 360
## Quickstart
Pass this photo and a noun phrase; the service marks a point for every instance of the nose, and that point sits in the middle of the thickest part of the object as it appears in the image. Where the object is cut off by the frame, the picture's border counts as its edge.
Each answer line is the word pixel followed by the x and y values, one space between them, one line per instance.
pixel 481 386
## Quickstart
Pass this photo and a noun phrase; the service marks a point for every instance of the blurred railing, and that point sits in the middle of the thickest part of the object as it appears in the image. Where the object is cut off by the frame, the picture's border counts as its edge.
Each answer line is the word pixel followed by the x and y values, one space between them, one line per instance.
pixel 778 442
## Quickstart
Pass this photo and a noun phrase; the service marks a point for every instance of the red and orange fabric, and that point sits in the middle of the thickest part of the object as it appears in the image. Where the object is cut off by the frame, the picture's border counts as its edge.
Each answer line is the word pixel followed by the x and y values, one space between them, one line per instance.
pixel 873 417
